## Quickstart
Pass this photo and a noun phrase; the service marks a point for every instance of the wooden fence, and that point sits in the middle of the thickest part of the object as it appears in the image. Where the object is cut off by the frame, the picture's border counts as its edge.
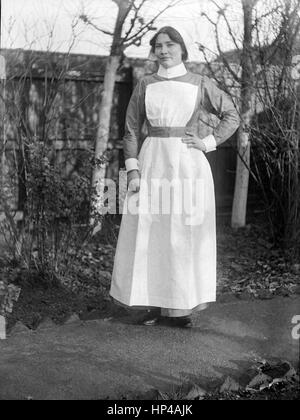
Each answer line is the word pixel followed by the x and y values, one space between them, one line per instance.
pixel 72 115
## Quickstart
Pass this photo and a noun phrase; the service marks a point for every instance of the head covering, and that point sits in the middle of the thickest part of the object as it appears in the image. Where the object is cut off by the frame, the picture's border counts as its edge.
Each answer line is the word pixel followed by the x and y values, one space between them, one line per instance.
pixel 186 38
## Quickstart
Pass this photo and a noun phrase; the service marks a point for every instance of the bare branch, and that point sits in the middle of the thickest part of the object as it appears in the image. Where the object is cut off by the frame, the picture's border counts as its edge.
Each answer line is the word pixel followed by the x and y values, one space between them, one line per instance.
pixel 221 53
pixel 134 19
pixel 267 14
pixel 222 12
pixel 148 26
pixel 85 19
pixel 208 18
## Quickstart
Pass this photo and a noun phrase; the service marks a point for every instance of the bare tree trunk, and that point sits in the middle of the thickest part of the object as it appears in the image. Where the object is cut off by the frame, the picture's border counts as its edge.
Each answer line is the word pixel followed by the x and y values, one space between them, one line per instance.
pixel 120 43
pixel 105 108
pixel 3 168
pixel 239 208
pixel 103 130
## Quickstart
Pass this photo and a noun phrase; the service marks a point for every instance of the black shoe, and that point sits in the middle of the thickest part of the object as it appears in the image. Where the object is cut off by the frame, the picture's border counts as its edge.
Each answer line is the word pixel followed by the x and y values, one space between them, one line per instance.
pixel 151 322
pixel 180 321
pixel 152 318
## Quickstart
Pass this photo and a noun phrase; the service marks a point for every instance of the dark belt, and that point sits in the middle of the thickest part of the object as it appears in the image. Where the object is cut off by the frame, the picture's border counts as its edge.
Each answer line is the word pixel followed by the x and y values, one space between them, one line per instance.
pixel 168 131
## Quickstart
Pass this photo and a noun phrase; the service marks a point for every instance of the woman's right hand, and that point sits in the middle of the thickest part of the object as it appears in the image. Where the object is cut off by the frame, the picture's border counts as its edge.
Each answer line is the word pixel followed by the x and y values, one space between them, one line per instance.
pixel 133 180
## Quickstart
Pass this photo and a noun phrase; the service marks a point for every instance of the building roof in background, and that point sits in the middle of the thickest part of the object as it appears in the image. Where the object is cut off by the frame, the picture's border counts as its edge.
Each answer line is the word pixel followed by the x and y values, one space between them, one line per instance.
pixel 273 54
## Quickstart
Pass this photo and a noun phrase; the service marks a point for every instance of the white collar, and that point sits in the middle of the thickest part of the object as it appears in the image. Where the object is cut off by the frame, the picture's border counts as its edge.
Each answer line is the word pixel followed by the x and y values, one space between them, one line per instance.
pixel 175 71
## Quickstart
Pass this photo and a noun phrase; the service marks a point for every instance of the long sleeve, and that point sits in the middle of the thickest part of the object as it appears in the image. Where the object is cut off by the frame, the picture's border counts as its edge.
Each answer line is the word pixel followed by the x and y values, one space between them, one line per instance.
pixel 217 102
pixel 135 117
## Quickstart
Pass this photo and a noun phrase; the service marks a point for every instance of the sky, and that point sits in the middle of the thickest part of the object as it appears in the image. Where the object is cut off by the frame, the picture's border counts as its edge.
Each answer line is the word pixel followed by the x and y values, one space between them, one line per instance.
pixel 47 25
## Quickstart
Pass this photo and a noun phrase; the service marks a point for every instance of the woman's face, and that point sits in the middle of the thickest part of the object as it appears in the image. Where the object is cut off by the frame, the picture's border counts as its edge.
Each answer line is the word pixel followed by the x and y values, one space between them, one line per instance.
pixel 168 52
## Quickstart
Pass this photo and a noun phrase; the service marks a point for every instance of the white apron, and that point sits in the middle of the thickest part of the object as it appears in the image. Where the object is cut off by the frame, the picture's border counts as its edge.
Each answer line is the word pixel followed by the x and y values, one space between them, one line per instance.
pixel 168 260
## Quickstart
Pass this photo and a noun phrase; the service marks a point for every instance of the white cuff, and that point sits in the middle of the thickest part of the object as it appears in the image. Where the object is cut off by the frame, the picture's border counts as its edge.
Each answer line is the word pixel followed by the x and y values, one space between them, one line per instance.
pixel 131 164
pixel 210 143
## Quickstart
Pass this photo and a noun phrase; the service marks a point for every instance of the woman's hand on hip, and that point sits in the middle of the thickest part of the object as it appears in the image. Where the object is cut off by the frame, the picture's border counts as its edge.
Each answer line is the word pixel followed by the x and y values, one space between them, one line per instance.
pixel 133 180
pixel 194 141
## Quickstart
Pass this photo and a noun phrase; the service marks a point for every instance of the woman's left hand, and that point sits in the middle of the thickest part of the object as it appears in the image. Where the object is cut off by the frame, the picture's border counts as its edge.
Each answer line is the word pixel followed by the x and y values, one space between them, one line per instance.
pixel 193 141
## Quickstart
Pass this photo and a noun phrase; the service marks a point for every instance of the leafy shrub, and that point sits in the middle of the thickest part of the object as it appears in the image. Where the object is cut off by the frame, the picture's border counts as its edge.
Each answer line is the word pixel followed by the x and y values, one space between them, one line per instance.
pixel 56 213
pixel 9 293
pixel 276 159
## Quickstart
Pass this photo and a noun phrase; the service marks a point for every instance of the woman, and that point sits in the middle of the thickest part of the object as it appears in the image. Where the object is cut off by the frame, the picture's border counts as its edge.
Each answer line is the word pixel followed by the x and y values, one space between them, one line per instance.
pixel 166 260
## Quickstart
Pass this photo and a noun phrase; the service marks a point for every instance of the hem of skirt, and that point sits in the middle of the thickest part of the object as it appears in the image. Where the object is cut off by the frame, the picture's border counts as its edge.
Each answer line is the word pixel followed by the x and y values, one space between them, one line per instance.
pixel 161 305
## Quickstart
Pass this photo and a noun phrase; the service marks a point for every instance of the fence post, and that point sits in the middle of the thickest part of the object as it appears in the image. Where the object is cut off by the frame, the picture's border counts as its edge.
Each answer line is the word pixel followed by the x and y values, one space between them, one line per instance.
pixel 2 115
pixel 2 328
pixel 2 128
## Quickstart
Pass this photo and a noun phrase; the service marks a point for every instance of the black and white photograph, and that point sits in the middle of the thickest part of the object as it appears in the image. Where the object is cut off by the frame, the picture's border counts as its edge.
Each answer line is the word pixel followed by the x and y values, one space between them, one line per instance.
pixel 149 202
